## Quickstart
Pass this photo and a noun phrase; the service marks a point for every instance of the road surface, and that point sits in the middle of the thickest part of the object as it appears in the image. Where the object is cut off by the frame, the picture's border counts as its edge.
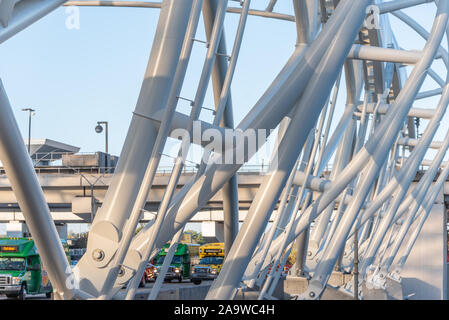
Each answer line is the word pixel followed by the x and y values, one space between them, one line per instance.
pixel 141 294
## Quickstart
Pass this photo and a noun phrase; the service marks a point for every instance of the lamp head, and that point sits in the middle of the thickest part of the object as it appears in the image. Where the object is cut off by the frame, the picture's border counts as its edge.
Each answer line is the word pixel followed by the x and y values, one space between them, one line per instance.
pixel 99 129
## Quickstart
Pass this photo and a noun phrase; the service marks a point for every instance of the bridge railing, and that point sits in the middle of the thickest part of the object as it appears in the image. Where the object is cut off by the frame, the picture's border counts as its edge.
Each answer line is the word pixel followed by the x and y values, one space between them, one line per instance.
pixel 164 170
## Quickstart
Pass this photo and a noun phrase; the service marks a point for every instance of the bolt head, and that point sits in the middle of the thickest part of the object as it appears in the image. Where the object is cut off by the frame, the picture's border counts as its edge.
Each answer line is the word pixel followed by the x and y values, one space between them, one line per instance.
pixel 98 255
pixel 312 294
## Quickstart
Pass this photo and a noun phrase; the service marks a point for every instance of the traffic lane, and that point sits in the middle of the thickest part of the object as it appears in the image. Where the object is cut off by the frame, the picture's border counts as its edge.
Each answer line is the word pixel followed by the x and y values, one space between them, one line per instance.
pixel 29 297
pixel 141 293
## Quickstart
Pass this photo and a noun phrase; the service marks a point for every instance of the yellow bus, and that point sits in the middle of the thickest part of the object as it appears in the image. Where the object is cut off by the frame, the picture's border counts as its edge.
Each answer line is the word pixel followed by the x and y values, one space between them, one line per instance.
pixel 212 258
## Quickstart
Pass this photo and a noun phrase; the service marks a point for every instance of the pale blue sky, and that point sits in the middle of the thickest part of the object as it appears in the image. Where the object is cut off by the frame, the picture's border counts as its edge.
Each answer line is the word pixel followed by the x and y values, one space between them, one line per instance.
pixel 74 78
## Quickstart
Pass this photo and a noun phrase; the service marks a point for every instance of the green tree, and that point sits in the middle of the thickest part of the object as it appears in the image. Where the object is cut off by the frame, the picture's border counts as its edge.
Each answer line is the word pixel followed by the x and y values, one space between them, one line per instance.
pixel 196 237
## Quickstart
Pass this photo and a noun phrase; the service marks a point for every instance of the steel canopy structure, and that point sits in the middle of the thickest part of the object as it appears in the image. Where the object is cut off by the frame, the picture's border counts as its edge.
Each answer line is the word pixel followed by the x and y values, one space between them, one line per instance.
pixel 365 214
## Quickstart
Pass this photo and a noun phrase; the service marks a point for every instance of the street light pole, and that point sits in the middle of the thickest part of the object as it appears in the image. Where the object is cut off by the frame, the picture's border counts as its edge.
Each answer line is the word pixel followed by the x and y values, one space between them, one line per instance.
pixel 30 113
pixel 99 129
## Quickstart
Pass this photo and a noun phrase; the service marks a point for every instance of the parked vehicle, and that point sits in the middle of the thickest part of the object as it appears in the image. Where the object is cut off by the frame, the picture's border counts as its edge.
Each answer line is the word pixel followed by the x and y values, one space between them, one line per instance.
pixel 21 270
pixel 212 258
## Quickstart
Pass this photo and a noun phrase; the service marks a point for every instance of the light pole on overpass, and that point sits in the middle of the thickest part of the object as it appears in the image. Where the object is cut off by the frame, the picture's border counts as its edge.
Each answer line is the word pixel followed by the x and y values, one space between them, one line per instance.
pixel 31 112
pixel 99 129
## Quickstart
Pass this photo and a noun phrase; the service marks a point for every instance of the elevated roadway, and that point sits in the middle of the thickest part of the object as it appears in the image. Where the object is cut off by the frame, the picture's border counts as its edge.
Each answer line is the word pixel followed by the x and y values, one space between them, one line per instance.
pixel 69 193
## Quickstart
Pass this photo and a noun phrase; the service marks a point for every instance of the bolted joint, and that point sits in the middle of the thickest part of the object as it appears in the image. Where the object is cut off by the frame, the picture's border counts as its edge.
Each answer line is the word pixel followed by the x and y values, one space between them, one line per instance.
pixel 98 255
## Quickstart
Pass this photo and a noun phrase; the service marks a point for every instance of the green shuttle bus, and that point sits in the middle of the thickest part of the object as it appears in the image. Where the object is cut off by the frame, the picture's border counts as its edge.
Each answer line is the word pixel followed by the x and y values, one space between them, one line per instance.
pixel 180 265
pixel 21 270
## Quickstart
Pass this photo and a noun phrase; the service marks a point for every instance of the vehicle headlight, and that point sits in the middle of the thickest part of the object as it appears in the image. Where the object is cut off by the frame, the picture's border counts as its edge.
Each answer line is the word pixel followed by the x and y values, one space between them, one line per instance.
pixel 214 271
pixel 177 270
pixel 16 280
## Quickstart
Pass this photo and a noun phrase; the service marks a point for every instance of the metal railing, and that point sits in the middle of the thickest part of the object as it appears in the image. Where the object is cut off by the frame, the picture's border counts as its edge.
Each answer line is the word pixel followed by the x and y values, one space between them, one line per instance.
pixel 163 170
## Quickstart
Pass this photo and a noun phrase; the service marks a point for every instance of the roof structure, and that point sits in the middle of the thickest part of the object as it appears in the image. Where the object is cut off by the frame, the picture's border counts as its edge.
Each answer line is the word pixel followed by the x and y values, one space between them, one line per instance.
pixel 46 150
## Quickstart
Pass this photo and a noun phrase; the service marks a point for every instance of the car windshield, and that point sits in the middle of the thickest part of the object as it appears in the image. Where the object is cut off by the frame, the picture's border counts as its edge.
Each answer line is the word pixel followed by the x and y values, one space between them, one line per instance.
pixel 212 260
pixel 176 260
pixel 12 264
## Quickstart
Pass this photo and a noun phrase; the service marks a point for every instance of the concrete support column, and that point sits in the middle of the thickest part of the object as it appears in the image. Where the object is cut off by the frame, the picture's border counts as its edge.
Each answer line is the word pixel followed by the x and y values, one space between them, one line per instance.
pixel 62 230
pixel 424 276
pixel 16 229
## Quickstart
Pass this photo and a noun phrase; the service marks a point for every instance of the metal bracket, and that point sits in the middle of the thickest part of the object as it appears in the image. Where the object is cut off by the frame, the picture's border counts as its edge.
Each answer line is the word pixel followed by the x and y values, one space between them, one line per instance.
pixel 103 243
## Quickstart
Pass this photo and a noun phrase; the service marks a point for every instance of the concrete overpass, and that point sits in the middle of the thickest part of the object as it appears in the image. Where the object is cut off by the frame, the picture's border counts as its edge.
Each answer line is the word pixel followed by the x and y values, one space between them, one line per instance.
pixel 74 194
